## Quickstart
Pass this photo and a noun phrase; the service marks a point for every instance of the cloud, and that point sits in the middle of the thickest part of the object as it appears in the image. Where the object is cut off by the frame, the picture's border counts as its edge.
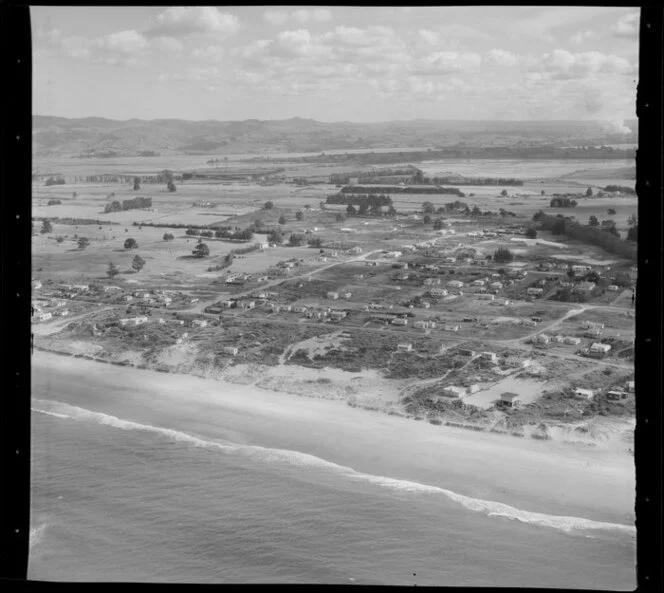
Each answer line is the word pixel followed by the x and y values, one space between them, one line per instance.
pixel 582 36
pixel 212 53
pixel 563 65
pixel 501 57
pixel 302 16
pixel 430 37
pixel 167 44
pixel 627 26
pixel 446 62
pixel 181 22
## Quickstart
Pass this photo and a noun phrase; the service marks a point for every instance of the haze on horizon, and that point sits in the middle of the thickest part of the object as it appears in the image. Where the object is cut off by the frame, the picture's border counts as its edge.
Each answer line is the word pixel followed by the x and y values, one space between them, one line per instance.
pixel 336 64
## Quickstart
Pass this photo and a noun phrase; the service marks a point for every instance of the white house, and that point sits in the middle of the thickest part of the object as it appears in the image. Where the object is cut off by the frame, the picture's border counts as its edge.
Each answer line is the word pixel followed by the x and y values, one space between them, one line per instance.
pixel 630 386
pixel 453 391
pixel 347 295
pixel 511 400
pixel 451 328
pixel 81 287
pixel 404 347
pixel 232 350
pixel 400 321
pixel 337 315
pixel 455 284
pixel 485 297
pixel 478 282
pixel 600 349
pixel 332 295
pixel 438 292
pixel 542 339
pixel 572 340
pixel 199 323
pixel 584 393
pixel 43 316
pixel 613 288
pixel 496 285
pixel 474 388
pixel 490 356
pixel 534 291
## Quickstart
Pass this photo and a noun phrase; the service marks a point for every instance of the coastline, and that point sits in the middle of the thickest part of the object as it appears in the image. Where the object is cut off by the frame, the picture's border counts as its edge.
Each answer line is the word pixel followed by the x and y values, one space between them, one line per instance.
pixel 535 476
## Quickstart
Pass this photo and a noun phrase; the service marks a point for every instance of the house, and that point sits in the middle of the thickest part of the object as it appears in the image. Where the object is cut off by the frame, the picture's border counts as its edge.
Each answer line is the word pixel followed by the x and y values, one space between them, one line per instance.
pixel 474 388
pixel 393 254
pixel 572 340
pixel 629 386
pixel 455 284
pixel 453 391
pixel 232 350
pixel 58 303
pixel 81 287
pixel 199 323
pixel 558 339
pixel 43 316
pixel 436 292
pixel 332 295
pixel 36 284
pixel 534 291
pixel 490 356
pixel 466 352
pixel 584 287
pixel 496 285
pixel 598 349
pixel 300 309
pixel 400 321
pixel 193 301
pixel 542 339
pixel 421 324
pixel 128 298
pixel 451 328
pixel 613 288
pixel 248 304
pixel 593 325
pixel 485 297
pixel 584 393
pixel 615 395
pixel 355 249
pixel 425 304
pixel 347 295
pixel 593 332
pixel 404 348
pixel 337 315
pixel 63 313
pixel 478 283
pixel 581 269
pixel 510 400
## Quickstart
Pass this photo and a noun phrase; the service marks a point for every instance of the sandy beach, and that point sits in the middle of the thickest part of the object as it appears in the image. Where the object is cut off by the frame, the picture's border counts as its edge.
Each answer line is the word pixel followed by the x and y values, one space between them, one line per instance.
pixel 533 476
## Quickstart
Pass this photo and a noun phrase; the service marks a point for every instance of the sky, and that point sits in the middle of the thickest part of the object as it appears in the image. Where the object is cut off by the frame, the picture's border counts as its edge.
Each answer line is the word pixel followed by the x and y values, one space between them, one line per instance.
pixel 360 64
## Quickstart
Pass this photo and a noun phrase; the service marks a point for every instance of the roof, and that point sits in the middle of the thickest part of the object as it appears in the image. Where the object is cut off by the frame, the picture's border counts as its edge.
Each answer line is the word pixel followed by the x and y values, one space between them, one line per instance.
pixel 509 395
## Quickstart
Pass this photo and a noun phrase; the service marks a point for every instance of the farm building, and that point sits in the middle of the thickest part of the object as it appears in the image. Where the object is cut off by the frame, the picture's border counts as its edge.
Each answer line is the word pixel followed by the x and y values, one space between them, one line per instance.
pixel 399 321
pixel 478 283
pixel 600 349
pixel 404 348
pixel 43 316
pixel 630 386
pixel 584 393
pixel 572 340
pixel 453 391
pixel 474 388
pixel 593 332
pixel 490 356
pixel 510 400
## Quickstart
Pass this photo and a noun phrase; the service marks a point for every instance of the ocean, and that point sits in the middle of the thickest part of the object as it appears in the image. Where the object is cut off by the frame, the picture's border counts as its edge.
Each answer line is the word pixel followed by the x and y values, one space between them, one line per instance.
pixel 116 498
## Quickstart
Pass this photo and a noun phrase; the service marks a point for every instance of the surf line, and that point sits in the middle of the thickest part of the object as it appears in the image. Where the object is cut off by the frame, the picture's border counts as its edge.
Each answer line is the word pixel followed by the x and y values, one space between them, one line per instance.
pixel 300 459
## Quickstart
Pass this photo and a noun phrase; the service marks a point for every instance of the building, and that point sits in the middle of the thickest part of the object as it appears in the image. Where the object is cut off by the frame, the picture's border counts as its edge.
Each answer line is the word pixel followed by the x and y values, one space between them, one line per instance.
pixel 332 295
pixel 572 340
pixel 534 291
pixel 337 315
pixel 615 395
pixel 453 391
pixel 404 348
pixel 630 386
pixel 474 388
pixel 63 313
pixel 542 339
pixel 232 350
pixel 36 284
pixel 451 328
pixel 485 297
pixel 43 316
pixel 490 356
pixel 510 400
pixel 300 309
pixel 478 283
pixel 81 287
pixel 584 393
pixel 558 339
pixel 466 352
pixel 347 295
pixel 593 332
pixel 199 323
pixel 496 285
pixel 600 349
pixel 455 284
pixel 393 254
pixel 400 321
pixel 584 287
pixel 421 324
pixel 438 292
pixel 613 288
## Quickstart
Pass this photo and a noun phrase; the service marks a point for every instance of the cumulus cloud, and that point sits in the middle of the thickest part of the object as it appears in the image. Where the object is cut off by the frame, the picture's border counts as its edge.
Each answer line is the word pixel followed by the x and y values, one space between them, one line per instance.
pixel 627 26
pixel 430 37
pixel 212 53
pixel 562 64
pixel 444 62
pixel 582 36
pixel 501 57
pixel 280 17
pixel 181 22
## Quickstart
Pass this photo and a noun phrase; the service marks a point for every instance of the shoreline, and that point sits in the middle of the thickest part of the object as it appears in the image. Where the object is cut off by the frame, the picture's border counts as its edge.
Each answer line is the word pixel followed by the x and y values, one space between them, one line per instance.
pixel 527 474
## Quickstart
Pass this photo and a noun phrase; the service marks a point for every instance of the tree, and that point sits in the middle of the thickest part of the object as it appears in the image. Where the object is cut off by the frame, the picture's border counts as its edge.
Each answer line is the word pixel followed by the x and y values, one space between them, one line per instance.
pixel 201 250
pixel 593 221
pixel 169 236
pixel 503 193
pixel 114 206
pixel 589 192
pixel 363 209
pixel 632 233
pixel 59 239
pixel 632 220
pixel 542 193
pixel 611 211
pixel 54 202
pixel 296 240
pixel 502 254
pixel 83 242
pixel 137 183
pixel 437 224
pixel 47 227
pixel 531 233
pixel 428 208
pixel 282 219
pixel 171 186
pixel 391 211
pixel 592 277
pixel 299 215
pixel 570 272
pixel 315 242
pixel 339 217
pixel 427 219
pixel 351 210
pixel 130 244
pixel 137 263
pixel 74 195
pixel 112 270
pixel 275 236
pixel 268 205
pixel 558 227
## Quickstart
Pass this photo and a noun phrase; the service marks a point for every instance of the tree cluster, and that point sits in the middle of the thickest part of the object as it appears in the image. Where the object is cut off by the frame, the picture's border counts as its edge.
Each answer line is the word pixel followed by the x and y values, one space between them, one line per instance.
pixel 55 181
pixel 132 204
pixel 54 202
pixel 562 202
pixel 398 189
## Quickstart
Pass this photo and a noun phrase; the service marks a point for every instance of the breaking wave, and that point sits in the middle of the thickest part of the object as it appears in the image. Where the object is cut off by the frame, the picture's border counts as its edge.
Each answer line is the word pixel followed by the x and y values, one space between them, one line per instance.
pixel 297 458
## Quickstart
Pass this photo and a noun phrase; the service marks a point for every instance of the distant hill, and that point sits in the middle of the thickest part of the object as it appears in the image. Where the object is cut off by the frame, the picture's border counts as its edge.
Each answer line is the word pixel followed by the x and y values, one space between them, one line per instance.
pixel 59 136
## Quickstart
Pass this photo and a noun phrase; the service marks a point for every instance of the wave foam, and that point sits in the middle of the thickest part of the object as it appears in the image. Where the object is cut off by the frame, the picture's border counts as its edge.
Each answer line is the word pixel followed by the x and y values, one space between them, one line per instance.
pixel 36 535
pixel 299 459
